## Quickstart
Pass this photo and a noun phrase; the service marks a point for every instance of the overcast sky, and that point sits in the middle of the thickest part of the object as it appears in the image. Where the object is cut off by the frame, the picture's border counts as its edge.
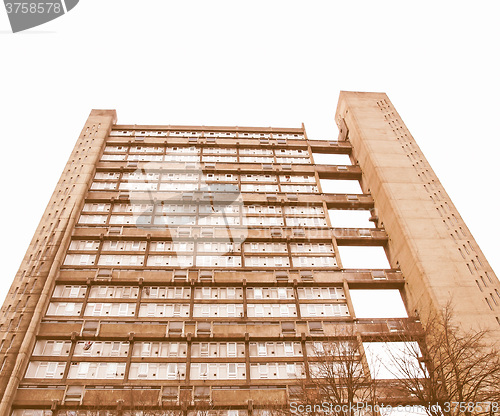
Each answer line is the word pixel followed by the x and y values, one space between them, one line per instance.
pixel 258 63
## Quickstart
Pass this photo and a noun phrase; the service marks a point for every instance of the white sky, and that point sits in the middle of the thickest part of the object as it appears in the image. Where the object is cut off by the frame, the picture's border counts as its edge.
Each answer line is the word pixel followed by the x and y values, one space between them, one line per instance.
pixel 256 63
pixel 377 303
pixel 383 358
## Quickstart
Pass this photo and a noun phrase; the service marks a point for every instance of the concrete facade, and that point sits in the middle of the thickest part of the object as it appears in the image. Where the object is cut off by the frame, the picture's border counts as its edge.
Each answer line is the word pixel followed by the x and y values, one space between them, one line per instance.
pixel 186 266
pixel 428 241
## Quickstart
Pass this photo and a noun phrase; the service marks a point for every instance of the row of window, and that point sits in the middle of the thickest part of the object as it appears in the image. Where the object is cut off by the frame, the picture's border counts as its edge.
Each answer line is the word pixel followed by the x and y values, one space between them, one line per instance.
pixel 107 157
pixel 180 220
pixel 179 292
pixel 206 150
pixel 178 349
pixel 163 371
pixel 206 246
pixel 209 246
pixel 190 220
pixel 193 186
pixel 174 151
pixel 208 208
pixel 199 261
pixel 176 328
pixel 207 134
pixel 221 310
pixel 184 220
pixel 150 176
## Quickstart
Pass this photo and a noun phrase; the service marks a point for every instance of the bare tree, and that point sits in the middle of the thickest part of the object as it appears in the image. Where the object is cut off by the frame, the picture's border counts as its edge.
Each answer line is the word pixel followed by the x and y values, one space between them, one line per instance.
pixel 339 377
pixel 451 371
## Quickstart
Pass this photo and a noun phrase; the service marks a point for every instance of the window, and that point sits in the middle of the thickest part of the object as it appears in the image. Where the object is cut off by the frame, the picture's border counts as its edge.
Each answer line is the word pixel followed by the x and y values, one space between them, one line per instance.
pixel 121 260
pixel 172 371
pixel 206 293
pixel 83 369
pixel 258 309
pixel 159 349
pixel 288 327
pixel 218 349
pixel 73 394
pixel 232 373
pixel 204 328
pixel 203 371
pixel 111 370
pixel 324 310
pixel 157 371
pixel 174 349
pixel 315 326
pixel 231 349
pixel 218 310
pixel 307 210
pixel 263 370
pixel 69 291
pixel 97 207
pixel 79 260
pixel 110 309
pixel 163 310
pixel 142 370
pixel 90 328
pixel 170 393
pixel 58 346
pixel 92 219
pixel 231 310
pixel 275 349
pixel 55 348
pixel 271 310
pixel 333 293
pixel 318 346
pixel 123 309
pixel 290 369
pixel 284 310
pixel 305 222
pixel 220 261
pixel 268 261
pixel 158 261
pixel 276 371
pixel 50 370
pixel 262 349
pixel 101 348
pixel 64 309
pixel 45 369
pixel 176 328
pixel 214 371
pixel 204 349
pixel 74 291
pixel 271 292
pixel 146 349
